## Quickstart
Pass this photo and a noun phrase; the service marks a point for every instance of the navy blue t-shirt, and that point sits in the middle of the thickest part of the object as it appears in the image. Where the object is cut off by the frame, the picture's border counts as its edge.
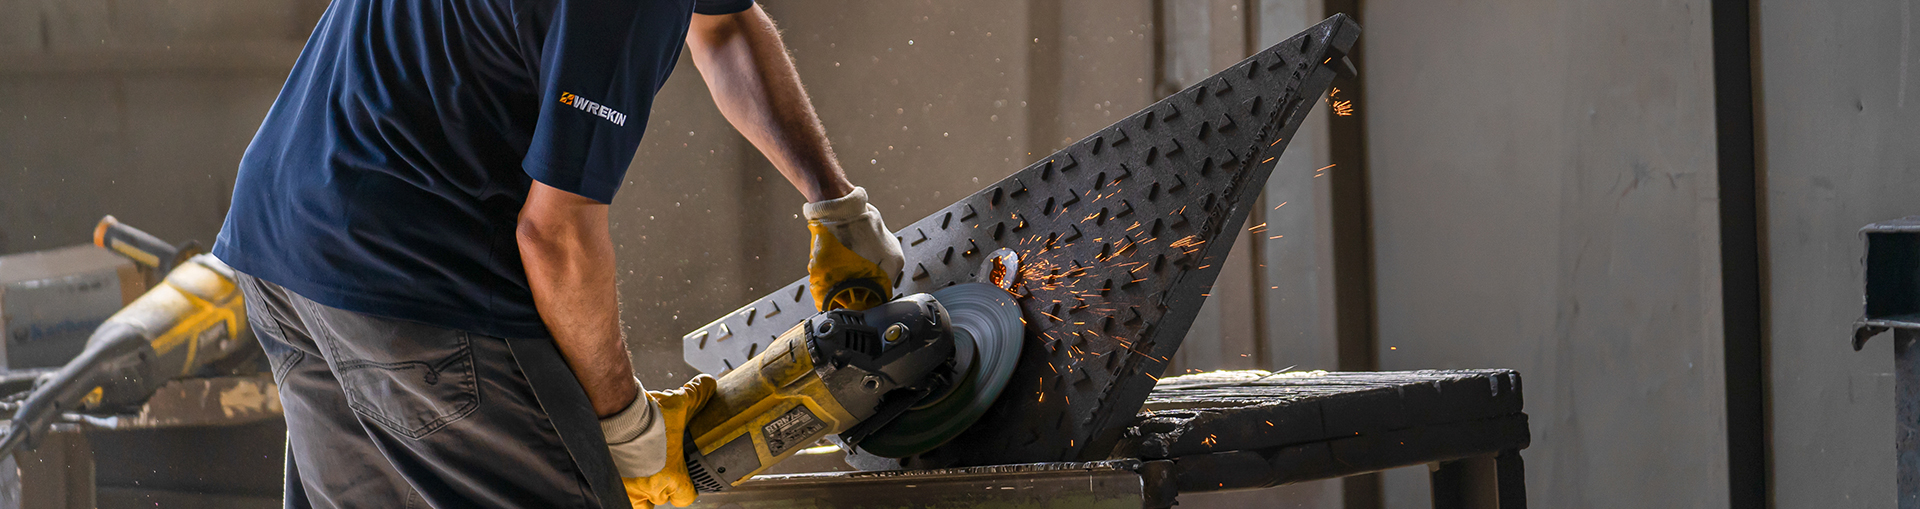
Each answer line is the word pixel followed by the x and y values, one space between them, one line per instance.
pixel 388 176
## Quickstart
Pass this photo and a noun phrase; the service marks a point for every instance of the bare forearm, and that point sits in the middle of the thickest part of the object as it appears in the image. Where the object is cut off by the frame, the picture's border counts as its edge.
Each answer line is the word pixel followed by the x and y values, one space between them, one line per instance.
pixel 746 67
pixel 571 272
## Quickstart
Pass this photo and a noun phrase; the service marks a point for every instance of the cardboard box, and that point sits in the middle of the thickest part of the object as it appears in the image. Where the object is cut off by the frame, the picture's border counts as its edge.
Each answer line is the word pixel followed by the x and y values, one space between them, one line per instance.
pixel 50 301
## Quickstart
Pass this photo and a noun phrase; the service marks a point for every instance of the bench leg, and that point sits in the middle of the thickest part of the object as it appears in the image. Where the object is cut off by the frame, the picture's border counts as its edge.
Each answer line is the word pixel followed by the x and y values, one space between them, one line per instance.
pixel 1906 404
pixel 1494 481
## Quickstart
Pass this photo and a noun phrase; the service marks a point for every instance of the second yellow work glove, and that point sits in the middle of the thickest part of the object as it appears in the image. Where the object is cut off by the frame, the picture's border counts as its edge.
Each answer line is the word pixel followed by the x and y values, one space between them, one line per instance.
pixel 854 257
pixel 652 460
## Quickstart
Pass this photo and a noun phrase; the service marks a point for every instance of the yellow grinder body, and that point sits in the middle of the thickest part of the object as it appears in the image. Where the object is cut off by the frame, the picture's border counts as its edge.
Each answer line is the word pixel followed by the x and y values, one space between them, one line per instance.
pixel 839 372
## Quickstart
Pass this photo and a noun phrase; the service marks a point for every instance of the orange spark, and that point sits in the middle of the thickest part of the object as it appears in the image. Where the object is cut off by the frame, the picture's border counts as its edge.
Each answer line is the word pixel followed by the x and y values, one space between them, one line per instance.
pixel 1342 108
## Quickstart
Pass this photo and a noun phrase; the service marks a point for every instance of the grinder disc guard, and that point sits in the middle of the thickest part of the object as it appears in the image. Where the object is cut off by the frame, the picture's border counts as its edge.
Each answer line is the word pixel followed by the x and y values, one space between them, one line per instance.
pixel 986 320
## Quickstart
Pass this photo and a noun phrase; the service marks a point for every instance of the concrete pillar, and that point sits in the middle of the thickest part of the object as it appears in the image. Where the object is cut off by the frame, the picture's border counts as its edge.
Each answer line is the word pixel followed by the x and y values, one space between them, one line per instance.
pixel 1838 103
pixel 1543 190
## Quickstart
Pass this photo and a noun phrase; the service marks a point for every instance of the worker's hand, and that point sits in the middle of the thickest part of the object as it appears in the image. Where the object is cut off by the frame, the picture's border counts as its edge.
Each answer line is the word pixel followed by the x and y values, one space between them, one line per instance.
pixel 854 257
pixel 653 466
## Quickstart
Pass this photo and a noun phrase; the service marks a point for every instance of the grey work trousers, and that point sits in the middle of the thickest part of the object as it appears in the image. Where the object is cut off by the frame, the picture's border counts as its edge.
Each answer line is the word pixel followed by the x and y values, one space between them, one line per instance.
pixel 390 413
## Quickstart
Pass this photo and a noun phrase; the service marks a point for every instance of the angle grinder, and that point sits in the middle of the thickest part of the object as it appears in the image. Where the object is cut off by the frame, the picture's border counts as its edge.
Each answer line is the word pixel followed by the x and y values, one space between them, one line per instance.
pixel 895 380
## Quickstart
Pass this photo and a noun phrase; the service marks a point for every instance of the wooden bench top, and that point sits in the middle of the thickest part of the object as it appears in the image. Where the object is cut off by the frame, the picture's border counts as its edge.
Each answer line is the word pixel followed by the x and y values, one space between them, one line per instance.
pixel 1248 429
pixel 1212 431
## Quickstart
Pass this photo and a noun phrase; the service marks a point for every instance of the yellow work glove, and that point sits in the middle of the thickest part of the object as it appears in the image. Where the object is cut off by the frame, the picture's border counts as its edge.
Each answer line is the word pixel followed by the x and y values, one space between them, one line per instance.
pixel 649 450
pixel 854 257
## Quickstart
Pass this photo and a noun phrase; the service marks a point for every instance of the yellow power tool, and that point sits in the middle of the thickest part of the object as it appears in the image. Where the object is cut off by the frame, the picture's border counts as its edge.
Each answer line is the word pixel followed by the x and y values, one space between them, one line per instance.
pixel 194 323
pixel 892 381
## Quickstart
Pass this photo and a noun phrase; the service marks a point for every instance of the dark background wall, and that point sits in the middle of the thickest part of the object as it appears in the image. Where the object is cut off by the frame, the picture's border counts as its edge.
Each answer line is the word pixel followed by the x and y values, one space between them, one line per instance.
pixel 1527 185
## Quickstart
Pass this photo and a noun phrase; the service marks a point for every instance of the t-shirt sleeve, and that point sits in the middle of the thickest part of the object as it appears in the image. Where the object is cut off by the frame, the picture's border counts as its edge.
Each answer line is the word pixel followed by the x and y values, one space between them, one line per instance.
pixel 598 64
pixel 715 7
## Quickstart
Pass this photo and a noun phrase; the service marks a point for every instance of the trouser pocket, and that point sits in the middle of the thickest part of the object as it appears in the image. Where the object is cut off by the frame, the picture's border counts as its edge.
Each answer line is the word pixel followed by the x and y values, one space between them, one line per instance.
pixel 410 378
pixel 267 309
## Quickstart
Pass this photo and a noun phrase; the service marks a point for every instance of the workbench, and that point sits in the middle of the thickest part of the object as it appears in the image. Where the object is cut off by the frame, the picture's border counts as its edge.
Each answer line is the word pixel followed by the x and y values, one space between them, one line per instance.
pixel 1224 430
pixel 1892 298
pixel 1231 430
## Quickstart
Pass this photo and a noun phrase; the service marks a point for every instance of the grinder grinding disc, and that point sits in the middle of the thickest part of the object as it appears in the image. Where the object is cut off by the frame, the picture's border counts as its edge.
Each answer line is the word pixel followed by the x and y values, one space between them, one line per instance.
pixel 986 319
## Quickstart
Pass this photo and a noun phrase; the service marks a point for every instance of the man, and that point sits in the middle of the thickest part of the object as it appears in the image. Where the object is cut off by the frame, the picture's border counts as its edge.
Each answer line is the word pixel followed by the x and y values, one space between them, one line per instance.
pixel 421 231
